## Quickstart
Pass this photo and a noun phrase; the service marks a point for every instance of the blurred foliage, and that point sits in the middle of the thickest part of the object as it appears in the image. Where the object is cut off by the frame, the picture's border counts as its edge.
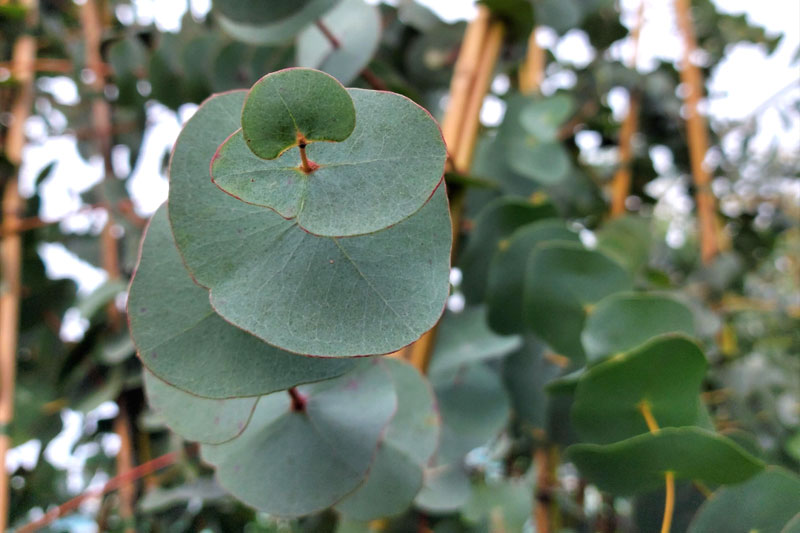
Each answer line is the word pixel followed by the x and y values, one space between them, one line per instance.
pixel 746 304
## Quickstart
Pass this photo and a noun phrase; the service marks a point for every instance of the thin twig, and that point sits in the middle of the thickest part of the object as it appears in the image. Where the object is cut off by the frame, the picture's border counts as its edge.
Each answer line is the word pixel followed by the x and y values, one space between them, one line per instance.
pixel 114 483
pixel 370 77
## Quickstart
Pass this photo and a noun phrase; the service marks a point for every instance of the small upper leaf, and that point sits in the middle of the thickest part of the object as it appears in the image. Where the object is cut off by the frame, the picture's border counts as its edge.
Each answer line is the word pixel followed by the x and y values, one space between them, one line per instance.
pixel 295 105
pixel 378 176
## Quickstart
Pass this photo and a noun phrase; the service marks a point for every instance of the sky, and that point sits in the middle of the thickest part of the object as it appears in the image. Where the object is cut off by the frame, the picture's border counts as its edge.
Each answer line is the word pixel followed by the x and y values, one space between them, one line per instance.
pixel 741 84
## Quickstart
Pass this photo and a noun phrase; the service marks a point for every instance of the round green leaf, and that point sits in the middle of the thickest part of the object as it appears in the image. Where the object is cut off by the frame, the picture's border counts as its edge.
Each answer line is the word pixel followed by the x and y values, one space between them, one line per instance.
pixel 623 321
pixel 793 525
pixel 464 338
pixel 665 374
pixel 382 174
pixel 183 342
pixel 258 11
pixel 525 373
pixel 195 418
pixel 765 503
pixel 293 463
pixel 356 26
pixel 561 279
pixel 545 162
pixel 640 463
pixel 288 106
pixel 446 489
pixel 272 30
pixel 495 222
pixel 474 407
pixel 307 294
pixel 505 285
pixel 395 478
pixel 627 239
pixel 543 118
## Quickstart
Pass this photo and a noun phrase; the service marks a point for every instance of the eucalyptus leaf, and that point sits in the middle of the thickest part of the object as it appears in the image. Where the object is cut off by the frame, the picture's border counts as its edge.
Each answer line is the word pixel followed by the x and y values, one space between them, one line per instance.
pixel 495 222
pixel 380 175
pixel 640 463
pixel 464 338
pixel 505 284
pixel 306 294
pixel 195 418
pixel 410 440
pixel 547 163
pixel 561 280
pixel 182 341
pixel 293 106
pixel 257 30
pixel 356 26
pixel 665 374
pixel 446 489
pixel 474 407
pixel 259 11
pixel 544 117
pixel 623 321
pixel 765 503
pixel 293 463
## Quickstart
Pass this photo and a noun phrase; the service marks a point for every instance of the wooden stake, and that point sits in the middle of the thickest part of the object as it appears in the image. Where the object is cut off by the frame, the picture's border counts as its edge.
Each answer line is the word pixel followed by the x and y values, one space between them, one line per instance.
pixel 697 133
pixel 531 72
pixel 471 80
pixel 621 183
pixel 470 126
pixel 23 60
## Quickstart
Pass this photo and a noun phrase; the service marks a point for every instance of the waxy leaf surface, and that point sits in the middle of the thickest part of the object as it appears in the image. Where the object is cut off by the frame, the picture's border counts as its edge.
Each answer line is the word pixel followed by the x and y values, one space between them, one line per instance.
pixel 765 503
pixel 240 22
pixel 465 338
pixel 184 342
pixel 356 26
pixel 396 476
pixel 640 463
pixel 446 489
pixel 623 321
pixel 288 105
pixel 306 294
pixel 474 407
pixel 666 374
pixel 505 285
pixel 194 418
pixel 496 221
pixel 380 175
pixel 293 463
pixel 561 279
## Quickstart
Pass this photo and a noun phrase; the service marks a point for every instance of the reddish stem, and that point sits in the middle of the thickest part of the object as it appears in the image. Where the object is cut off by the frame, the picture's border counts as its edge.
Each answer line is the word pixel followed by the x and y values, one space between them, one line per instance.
pixel 335 42
pixel 298 400
pixel 114 483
